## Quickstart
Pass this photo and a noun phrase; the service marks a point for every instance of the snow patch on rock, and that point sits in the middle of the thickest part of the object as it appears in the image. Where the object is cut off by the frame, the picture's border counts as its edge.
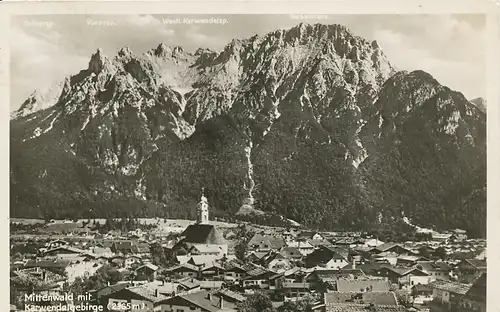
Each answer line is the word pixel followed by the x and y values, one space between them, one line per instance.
pixel 452 123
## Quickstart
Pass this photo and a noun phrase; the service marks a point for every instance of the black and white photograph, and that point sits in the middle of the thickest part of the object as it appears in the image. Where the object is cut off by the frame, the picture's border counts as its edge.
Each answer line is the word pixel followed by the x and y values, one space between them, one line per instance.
pixel 248 162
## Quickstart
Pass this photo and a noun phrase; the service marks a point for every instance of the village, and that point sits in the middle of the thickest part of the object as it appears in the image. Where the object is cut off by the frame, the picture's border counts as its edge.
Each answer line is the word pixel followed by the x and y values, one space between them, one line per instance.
pixel 210 266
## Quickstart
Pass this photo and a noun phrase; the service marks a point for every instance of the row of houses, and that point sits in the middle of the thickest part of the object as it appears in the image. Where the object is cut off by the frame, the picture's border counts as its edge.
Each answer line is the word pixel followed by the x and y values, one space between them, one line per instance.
pixel 341 272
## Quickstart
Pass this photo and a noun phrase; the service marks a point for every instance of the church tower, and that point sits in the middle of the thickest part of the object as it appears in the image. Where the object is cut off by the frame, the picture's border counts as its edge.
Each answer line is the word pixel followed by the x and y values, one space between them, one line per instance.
pixel 202 209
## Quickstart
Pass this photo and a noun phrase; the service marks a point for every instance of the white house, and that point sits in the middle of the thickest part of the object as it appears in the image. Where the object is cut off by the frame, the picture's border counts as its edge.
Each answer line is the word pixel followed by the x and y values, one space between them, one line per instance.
pixel 304 248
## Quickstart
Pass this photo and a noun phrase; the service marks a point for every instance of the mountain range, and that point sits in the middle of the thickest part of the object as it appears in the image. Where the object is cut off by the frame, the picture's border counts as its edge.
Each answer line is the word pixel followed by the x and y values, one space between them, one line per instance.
pixel 312 123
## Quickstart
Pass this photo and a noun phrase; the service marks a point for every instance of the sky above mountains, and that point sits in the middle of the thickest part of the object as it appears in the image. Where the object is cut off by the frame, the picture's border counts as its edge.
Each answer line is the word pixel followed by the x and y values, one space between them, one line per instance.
pixel 46 49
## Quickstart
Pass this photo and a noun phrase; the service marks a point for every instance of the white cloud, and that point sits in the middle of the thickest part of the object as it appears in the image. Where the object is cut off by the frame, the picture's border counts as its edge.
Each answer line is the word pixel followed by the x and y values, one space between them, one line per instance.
pixel 150 22
pixel 199 39
pixel 143 20
pixel 36 63
pixel 451 48
pixel 442 54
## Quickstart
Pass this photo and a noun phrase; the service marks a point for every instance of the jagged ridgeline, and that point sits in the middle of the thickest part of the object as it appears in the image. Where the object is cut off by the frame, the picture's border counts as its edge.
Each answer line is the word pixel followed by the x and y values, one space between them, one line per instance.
pixel 311 122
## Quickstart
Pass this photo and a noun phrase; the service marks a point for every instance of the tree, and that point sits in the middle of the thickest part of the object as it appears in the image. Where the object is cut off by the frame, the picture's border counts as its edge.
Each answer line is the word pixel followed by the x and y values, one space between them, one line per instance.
pixel 440 252
pixel 423 237
pixel 109 225
pixel 244 235
pixel 424 252
pixel 160 257
pixel 258 302
pixel 104 275
pixel 240 249
pixel 303 305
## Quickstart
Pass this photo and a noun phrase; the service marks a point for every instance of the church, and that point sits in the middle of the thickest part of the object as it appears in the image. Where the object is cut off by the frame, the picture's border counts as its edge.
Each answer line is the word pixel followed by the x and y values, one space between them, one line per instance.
pixel 202 238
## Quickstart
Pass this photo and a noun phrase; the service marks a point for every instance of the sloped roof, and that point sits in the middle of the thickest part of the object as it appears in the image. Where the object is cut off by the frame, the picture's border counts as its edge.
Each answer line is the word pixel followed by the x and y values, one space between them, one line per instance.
pixel 319 242
pixel 100 250
pixel 163 287
pixel 277 242
pixel 299 244
pixel 144 292
pixel 291 252
pixel 293 270
pixel 480 264
pixel 189 283
pixel 272 241
pixel 105 242
pixel 257 254
pixel 230 265
pixel 58 263
pixel 67 248
pixel 349 240
pixel 369 268
pixel 422 288
pixel 334 275
pixel 259 274
pixel 200 299
pixel 140 248
pixel 202 234
pixel 211 284
pixel 433 266
pixel 402 271
pixel 477 292
pixel 295 285
pixel 213 265
pixel 357 285
pixel 197 259
pixel 324 255
pixel 231 294
pixel 352 307
pixel 308 234
pixel 149 266
pixel 185 266
pixel 207 248
pixel 274 256
pixel 378 298
pixel 385 246
pixel 257 271
pixel 453 287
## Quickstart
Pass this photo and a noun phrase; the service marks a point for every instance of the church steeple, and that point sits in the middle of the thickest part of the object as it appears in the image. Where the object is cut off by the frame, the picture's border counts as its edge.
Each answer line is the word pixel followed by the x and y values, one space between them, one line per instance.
pixel 202 209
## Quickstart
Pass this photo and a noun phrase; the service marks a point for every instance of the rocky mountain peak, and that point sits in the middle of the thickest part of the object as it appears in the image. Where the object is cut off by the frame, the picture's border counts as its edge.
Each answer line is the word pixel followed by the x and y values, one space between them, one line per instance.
pixel 40 99
pixel 313 113
pixel 305 33
pixel 99 62
pixel 177 50
pixel 480 103
pixel 125 52
pixel 418 86
pixel 201 51
pixel 165 51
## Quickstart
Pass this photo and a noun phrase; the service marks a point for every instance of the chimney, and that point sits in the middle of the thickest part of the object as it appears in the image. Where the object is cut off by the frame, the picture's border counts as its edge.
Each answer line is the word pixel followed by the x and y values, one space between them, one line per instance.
pixel 353 263
pixel 156 292
pixel 221 303
pixel 209 296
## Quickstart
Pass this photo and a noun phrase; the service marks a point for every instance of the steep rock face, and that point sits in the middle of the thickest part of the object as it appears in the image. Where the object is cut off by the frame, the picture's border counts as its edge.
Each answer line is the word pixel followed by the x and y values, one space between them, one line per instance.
pixel 311 122
pixel 39 100
pixel 108 119
pixel 429 154
pixel 479 103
